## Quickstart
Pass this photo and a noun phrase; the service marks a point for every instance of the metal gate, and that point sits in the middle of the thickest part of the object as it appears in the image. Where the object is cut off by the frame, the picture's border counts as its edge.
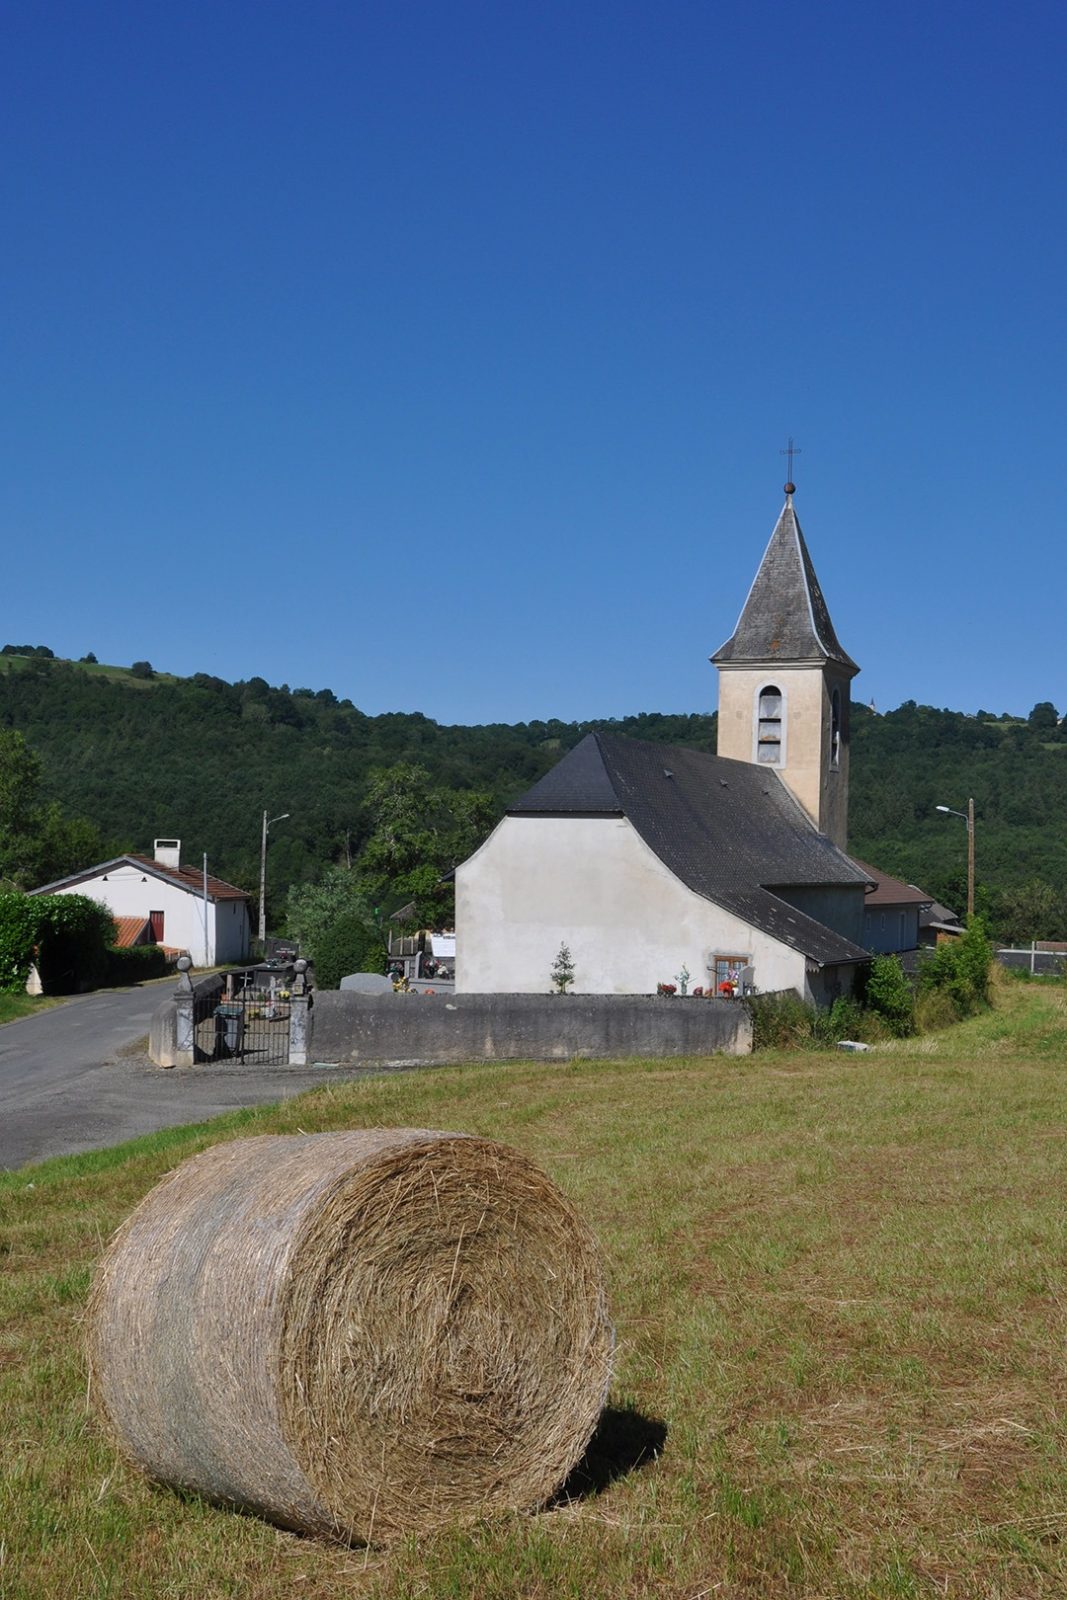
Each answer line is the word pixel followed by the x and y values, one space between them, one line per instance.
pixel 246 1020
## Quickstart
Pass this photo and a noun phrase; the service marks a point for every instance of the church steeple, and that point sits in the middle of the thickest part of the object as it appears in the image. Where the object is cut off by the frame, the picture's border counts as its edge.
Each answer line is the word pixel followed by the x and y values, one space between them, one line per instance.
pixel 784 681
pixel 785 617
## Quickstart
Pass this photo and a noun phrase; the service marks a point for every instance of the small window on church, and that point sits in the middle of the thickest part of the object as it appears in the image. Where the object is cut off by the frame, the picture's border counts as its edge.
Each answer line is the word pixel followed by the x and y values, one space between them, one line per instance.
pixel 835 729
pixel 729 973
pixel 769 735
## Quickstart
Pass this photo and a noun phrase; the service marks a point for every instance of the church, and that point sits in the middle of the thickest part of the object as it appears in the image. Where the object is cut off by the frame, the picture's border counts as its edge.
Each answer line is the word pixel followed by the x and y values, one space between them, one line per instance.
pixel 655 863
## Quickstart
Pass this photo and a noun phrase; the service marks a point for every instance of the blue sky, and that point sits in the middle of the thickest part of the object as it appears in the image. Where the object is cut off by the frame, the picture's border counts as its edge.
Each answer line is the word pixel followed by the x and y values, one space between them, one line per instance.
pixel 442 353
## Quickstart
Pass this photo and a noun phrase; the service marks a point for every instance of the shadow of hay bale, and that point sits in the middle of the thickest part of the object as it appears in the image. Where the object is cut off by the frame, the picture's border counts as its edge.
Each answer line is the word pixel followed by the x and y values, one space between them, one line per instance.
pixel 624 1441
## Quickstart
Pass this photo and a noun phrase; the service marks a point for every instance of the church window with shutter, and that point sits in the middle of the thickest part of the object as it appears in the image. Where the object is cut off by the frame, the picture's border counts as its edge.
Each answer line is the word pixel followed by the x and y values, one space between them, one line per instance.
pixel 770 714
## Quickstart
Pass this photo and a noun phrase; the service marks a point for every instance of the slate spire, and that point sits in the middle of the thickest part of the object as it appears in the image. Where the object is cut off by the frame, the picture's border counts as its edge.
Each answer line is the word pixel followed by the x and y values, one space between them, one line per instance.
pixel 785 617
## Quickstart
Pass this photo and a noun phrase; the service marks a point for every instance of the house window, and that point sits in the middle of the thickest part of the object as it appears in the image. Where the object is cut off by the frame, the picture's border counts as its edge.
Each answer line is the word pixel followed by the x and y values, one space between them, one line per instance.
pixel 727 969
pixel 156 919
pixel 835 729
pixel 769 714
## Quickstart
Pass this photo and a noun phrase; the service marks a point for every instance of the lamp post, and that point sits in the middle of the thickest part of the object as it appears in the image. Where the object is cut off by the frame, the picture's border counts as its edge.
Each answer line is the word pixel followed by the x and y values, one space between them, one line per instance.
pixel 968 817
pixel 267 825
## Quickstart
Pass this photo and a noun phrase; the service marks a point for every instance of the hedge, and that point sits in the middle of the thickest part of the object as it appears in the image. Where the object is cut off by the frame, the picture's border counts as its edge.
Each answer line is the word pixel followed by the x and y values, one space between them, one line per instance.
pixel 348 945
pixel 65 935
pixel 137 963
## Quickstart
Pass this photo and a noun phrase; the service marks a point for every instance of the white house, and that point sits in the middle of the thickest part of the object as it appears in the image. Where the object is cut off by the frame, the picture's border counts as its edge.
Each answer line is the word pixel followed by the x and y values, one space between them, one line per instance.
pixel 647 859
pixel 208 918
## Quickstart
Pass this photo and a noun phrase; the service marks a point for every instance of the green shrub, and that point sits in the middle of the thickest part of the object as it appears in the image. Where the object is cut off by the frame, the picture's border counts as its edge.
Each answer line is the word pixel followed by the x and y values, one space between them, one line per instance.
pixel 136 964
pixel 785 1022
pixel 781 1021
pixel 65 935
pixel 888 994
pixel 844 1020
pixel 959 971
pixel 349 945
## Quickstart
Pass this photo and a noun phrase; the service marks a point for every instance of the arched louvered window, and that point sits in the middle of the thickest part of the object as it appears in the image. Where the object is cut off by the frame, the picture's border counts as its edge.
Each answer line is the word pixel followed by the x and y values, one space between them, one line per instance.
pixel 770 717
pixel 835 729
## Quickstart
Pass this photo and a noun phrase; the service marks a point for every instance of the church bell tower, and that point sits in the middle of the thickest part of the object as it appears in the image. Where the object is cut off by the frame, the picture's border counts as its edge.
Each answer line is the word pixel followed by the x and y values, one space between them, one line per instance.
pixel 784 681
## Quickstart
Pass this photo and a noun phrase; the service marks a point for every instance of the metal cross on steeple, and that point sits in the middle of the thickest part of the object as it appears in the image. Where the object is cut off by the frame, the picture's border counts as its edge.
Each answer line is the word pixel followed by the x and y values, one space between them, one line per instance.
pixel 791 450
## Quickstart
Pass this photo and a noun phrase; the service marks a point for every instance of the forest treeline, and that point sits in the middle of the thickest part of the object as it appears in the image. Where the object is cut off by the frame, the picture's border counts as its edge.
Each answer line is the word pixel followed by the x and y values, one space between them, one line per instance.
pixel 132 757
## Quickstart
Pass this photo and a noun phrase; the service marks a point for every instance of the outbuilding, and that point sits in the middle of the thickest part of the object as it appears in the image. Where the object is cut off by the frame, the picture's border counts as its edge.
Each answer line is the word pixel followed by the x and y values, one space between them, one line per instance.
pixel 184 908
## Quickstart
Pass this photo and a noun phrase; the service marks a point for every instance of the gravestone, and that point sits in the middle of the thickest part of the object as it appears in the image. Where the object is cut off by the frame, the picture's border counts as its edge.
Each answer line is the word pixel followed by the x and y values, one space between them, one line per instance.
pixel 368 983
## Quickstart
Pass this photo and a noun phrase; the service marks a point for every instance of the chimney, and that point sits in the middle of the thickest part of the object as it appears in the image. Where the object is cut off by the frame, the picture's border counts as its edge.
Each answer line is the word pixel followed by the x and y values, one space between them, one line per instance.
pixel 168 852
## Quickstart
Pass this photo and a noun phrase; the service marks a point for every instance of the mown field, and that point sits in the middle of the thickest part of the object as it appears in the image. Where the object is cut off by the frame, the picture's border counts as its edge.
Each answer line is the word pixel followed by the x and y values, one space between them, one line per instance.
pixel 838 1284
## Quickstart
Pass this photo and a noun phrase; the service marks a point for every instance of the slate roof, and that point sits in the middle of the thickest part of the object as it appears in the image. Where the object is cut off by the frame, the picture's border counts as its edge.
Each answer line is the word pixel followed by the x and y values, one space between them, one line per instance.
pixel 729 830
pixel 190 878
pixel 889 891
pixel 939 916
pixel 785 617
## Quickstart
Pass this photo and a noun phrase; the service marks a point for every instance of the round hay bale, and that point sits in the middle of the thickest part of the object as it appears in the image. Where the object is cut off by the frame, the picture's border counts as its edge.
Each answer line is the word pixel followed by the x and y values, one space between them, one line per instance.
pixel 355 1334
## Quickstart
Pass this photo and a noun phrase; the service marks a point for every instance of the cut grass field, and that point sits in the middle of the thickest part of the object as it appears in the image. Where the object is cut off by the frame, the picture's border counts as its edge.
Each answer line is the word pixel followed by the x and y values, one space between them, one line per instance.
pixel 838 1283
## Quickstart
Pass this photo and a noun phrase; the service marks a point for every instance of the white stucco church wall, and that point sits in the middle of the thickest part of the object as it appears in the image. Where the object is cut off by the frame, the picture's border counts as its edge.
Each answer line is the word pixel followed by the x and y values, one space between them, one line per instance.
pixel 593 884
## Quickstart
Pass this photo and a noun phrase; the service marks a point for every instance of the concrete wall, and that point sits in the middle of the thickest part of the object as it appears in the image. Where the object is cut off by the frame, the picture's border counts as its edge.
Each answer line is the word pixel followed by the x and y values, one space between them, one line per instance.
pixel 129 892
pixel 593 884
pixel 350 1028
pixel 806 754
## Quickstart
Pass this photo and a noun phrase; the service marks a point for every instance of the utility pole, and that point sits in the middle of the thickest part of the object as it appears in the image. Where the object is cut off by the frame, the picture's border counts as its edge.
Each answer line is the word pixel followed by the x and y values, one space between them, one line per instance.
pixel 263 877
pixel 970 858
pixel 968 817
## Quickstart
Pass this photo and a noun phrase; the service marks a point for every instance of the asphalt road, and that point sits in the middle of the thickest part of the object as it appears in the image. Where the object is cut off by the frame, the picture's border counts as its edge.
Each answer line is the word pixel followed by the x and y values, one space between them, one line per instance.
pixel 71 1079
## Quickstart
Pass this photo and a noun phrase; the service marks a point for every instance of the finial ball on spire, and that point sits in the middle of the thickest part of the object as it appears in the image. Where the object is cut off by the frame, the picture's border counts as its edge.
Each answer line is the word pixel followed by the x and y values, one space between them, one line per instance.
pixel 790 451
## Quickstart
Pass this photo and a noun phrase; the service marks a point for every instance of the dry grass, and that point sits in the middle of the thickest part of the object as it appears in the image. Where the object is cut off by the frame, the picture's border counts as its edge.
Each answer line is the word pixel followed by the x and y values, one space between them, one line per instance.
pixel 838 1284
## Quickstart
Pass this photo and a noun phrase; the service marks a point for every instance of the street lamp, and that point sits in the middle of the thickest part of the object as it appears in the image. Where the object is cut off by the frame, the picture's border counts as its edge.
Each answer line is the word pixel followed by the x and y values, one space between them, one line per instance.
pixel 968 817
pixel 267 825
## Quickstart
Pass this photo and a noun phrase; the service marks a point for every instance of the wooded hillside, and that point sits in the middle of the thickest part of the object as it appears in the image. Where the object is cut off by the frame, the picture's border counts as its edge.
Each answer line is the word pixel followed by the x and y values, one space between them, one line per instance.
pixel 143 756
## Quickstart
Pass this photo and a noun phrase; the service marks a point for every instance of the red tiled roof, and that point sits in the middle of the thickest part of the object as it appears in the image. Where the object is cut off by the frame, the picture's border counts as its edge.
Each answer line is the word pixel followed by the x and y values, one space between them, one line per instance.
pixel 130 931
pixel 193 878
pixel 190 878
pixel 889 891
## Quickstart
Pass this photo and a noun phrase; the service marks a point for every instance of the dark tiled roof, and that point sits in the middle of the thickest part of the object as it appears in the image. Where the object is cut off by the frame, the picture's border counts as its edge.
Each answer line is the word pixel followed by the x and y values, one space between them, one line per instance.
pixel 889 891
pixel 191 878
pixel 938 916
pixel 729 830
pixel 785 617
